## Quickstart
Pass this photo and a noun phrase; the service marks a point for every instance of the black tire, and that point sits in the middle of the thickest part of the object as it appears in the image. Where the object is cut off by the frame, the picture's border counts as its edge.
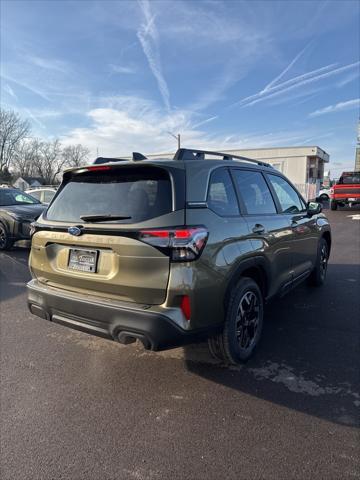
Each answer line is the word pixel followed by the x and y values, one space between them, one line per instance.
pixel 324 197
pixel 5 242
pixel 243 324
pixel 318 275
pixel 333 205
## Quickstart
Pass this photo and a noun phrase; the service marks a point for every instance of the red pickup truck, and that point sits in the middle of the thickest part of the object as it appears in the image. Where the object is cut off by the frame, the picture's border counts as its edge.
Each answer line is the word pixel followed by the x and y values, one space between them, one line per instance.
pixel 346 191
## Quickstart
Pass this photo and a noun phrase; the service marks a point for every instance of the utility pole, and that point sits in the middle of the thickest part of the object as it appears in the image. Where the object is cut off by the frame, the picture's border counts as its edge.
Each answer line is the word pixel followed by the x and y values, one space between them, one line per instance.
pixel 177 137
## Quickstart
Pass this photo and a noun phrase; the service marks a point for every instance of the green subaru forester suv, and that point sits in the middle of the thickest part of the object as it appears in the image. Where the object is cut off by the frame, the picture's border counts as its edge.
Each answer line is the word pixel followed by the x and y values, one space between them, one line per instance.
pixel 173 251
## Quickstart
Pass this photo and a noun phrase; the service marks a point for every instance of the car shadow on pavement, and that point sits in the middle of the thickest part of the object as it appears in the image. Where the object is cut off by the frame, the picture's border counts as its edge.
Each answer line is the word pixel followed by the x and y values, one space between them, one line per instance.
pixel 308 358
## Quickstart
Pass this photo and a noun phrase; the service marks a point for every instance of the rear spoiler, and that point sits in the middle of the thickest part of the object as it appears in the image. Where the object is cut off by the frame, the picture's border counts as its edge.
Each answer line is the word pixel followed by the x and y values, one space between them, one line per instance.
pixel 136 156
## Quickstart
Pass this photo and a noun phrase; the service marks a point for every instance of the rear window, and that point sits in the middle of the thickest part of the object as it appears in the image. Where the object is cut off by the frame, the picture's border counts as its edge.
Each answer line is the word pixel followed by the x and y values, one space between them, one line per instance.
pixel 349 178
pixel 36 195
pixel 48 196
pixel 140 194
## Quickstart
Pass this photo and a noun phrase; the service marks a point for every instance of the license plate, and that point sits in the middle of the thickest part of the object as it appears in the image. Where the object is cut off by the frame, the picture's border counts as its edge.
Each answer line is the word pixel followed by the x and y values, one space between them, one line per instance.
pixel 351 199
pixel 83 260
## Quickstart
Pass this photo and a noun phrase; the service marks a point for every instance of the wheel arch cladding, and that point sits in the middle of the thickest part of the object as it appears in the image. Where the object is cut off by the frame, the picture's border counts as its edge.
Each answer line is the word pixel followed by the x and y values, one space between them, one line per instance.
pixel 256 271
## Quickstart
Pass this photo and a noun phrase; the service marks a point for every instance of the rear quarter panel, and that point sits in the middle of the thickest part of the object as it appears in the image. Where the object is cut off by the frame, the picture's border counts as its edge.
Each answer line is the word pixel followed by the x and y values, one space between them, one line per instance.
pixel 228 245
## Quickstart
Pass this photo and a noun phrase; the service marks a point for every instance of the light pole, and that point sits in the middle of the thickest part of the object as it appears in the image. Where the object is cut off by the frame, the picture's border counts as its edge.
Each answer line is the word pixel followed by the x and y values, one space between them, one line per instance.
pixel 177 137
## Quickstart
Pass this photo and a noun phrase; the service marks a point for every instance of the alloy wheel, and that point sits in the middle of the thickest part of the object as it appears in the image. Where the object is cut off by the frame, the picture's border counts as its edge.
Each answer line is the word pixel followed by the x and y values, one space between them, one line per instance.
pixel 247 319
pixel 323 261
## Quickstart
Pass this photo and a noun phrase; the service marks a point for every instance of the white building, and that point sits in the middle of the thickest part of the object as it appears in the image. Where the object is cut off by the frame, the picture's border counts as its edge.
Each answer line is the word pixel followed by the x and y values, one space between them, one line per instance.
pixel 304 166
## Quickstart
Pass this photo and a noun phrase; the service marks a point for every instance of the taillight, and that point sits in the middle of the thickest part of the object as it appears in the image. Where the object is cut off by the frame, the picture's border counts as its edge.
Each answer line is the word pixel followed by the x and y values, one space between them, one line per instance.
pixel 331 191
pixel 98 168
pixel 182 244
pixel 185 306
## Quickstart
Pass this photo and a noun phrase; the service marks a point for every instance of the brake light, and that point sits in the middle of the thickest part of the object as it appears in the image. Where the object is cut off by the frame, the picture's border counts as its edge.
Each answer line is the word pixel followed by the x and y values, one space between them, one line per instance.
pixel 331 191
pixel 185 306
pixel 182 244
pixel 98 168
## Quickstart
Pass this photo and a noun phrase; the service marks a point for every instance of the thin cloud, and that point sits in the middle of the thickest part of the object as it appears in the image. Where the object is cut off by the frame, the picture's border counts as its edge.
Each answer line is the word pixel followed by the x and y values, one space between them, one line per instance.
pixel 280 86
pixel 48 64
pixel 348 105
pixel 10 91
pixel 304 76
pixel 34 118
pixel 149 40
pixel 27 87
pixel 118 129
pixel 126 70
pixel 291 64
pixel 205 121
pixel 296 82
pixel 349 78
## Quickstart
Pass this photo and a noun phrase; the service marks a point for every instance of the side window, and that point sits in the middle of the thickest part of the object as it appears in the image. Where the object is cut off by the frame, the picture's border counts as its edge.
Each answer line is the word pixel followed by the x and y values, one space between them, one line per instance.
pixel 23 198
pixel 254 192
pixel 35 195
pixel 48 196
pixel 221 194
pixel 288 197
pixel 303 204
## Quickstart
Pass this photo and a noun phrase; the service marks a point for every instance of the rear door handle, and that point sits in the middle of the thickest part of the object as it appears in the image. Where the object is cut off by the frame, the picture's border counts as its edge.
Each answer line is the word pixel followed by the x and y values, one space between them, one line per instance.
pixel 258 228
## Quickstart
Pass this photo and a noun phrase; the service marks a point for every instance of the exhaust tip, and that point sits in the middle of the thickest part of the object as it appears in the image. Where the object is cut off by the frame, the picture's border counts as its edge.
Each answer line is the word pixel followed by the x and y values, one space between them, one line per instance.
pixel 126 338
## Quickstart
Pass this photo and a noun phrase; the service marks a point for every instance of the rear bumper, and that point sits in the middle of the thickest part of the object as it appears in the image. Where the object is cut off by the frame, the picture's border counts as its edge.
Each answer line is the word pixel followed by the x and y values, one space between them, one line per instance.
pixel 108 319
pixel 346 200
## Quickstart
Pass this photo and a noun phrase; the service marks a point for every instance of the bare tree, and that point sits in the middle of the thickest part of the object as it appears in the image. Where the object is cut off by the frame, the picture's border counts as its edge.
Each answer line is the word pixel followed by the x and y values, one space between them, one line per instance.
pixel 75 155
pixel 26 157
pixel 12 131
pixel 50 161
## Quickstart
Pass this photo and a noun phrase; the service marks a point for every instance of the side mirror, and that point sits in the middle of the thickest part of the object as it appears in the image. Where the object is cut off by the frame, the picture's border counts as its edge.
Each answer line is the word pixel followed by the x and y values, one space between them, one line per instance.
pixel 313 208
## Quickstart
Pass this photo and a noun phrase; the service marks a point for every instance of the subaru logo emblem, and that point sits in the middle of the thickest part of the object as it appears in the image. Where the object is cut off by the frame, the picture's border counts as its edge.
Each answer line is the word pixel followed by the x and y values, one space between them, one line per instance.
pixel 74 231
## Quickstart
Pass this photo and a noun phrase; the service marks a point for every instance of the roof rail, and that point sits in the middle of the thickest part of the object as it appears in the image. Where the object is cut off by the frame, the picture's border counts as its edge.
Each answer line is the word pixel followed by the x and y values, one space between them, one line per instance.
pixel 191 154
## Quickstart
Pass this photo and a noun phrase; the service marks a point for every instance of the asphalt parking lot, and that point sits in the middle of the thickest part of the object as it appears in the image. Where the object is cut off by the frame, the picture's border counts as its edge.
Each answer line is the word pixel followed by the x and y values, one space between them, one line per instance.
pixel 79 407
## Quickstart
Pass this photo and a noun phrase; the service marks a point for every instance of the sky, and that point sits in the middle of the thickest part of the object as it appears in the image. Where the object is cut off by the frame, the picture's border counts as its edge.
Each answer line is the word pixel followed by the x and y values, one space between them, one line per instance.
pixel 118 76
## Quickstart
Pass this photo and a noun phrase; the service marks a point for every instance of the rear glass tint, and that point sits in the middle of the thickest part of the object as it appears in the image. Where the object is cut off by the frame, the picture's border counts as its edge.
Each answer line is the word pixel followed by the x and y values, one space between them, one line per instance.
pixel 349 178
pixel 221 195
pixel 254 192
pixel 141 194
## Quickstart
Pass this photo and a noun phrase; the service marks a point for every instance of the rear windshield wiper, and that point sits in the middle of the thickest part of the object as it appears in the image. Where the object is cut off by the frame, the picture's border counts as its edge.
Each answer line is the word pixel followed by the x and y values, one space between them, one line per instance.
pixel 102 218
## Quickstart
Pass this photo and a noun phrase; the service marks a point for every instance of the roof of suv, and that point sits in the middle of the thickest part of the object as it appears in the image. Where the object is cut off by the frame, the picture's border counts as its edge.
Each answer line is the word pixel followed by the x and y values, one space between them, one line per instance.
pixel 182 156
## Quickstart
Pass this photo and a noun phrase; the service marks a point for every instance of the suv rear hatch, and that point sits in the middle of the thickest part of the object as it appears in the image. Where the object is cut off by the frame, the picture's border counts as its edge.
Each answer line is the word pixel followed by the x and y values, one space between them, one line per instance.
pixel 348 186
pixel 88 240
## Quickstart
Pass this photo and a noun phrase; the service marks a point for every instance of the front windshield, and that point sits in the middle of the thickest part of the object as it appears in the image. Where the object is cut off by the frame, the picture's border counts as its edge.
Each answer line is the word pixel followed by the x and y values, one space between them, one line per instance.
pixel 16 197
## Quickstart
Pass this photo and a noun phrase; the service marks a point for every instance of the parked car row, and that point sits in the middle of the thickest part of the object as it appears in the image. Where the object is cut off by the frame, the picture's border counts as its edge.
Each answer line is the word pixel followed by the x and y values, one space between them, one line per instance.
pixel 324 194
pixel 18 210
pixel 43 194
